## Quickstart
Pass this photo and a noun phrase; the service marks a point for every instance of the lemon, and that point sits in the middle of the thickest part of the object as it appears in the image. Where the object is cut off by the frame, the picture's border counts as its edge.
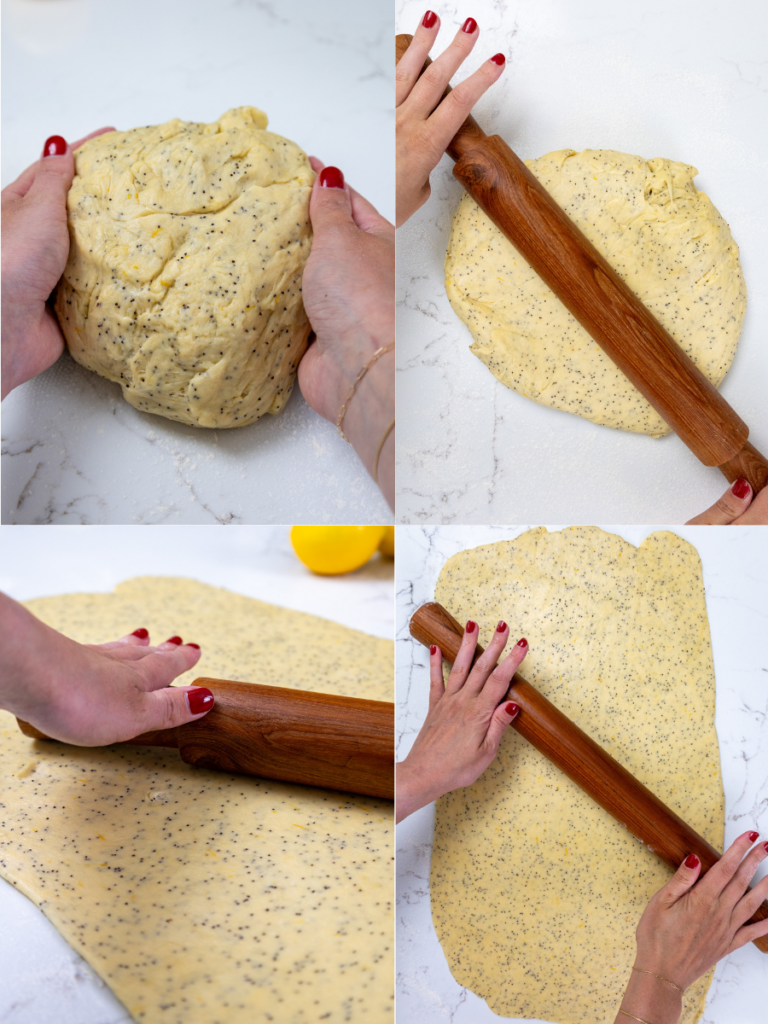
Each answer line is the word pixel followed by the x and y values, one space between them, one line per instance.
pixel 332 550
pixel 387 546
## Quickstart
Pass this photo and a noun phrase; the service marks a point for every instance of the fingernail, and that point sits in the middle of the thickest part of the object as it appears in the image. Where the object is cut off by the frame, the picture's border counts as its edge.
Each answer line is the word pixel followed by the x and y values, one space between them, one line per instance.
pixel 501 626
pixel 469 26
pixel 522 642
pixel 752 836
pixel 511 708
pixel 765 847
pixel 174 640
pixel 691 861
pixel 433 649
pixel 429 19
pixel 142 634
pixel 196 646
pixel 471 626
pixel 740 488
pixel 199 699
pixel 331 177
pixel 55 146
pixel 499 58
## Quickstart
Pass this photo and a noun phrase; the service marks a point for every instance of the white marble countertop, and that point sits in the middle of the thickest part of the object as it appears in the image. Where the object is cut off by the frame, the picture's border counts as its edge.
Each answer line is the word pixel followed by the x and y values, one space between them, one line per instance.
pixel 685 81
pixel 735 567
pixel 74 451
pixel 42 980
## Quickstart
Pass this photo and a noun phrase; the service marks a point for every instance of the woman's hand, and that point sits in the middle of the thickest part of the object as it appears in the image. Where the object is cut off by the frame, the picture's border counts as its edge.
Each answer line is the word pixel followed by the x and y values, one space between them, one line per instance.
pixel 349 296
pixel 35 251
pixel 690 924
pixel 464 724
pixel 425 124
pixel 93 695
pixel 739 506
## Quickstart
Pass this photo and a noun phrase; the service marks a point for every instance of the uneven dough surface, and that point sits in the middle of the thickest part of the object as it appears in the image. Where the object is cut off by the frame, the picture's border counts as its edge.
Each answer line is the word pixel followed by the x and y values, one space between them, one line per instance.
pixel 661 235
pixel 202 897
pixel 536 891
pixel 183 284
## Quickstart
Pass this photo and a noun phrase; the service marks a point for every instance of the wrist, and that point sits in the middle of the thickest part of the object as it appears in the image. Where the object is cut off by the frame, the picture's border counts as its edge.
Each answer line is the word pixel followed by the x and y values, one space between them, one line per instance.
pixel 650 999
pixel 413 789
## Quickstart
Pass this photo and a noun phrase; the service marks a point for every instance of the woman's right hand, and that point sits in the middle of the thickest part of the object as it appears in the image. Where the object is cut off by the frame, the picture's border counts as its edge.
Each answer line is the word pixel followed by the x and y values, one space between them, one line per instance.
pixel 465 721
pixel 425 124
pixel 739 506
pixel 690 924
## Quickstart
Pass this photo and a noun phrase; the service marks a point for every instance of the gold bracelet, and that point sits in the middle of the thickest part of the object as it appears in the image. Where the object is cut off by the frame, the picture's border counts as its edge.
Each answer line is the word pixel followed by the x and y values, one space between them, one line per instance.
pixel 641 1019
pixel 376 355
pixel 665 980
pixel 384 437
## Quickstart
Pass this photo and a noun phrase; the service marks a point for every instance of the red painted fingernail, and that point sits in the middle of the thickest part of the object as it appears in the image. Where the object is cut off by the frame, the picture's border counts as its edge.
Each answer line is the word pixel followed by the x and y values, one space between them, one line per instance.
pixel 196 646
pixel 429 19
pixel 142 634
pixel 471 626
pixel 752 836
pixel 765 847
pixel 469 26
pixel 691 861
pixel 511 708
pixel 501 626
pixel 199 699
pixel 331 177
pixel 433 649
pixel 522 642
pixel 174 640
pixel 740 488
pixel 55 146
pixel 499 58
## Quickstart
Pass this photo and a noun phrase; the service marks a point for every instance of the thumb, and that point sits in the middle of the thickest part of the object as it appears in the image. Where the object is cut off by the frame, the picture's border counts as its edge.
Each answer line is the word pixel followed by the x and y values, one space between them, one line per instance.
pixel 682 880
pixel 504 714
pixel 727 508
pixel 174 705
pixel 55 171
pixel 330 205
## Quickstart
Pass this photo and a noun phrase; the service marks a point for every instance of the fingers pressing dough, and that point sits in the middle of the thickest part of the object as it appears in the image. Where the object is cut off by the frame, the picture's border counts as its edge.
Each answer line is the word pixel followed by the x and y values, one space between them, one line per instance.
pixel 183 284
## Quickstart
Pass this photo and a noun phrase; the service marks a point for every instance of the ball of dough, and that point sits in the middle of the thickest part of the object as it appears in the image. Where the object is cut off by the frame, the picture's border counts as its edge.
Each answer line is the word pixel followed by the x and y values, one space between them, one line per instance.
pixel 661 235
pixel 183 284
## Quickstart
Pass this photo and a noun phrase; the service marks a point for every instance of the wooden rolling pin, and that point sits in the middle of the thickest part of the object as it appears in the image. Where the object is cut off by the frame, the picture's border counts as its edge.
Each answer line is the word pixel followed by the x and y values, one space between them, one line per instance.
pixel 593 292
pixel 317 739
pixel 587 764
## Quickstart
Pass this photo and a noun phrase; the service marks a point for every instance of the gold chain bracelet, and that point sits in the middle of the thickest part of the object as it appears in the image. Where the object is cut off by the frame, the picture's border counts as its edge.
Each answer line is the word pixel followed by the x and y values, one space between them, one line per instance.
pixel 665 980
pixel 384 437
pixel 342 411
pixel 641 1019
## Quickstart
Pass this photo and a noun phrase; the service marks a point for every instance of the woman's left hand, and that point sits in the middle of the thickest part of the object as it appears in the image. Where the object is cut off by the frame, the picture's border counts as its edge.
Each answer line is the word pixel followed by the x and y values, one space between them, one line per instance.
pixel 349 295
pixel 35 251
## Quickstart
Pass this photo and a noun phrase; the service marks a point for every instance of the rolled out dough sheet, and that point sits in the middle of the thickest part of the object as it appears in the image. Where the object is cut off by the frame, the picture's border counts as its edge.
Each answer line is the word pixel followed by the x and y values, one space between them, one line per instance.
pixel 201 897
pixel 658 232
pixel 536 891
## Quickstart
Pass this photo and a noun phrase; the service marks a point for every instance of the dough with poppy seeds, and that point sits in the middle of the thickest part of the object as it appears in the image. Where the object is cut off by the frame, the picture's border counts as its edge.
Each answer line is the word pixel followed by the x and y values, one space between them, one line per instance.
pixel 536 891
pixel 183 283
pixel 658 232
pixel 201 897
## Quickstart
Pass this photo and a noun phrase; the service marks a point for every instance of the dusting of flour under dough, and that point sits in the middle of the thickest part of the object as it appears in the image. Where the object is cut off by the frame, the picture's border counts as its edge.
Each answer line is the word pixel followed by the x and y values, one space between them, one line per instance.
pixel 661 236
pixel 183 284
pixel 536 890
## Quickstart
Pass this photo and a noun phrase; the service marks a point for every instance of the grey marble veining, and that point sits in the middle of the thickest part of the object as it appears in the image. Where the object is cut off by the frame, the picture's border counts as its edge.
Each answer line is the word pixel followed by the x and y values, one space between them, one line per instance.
pixel 687 83
pixel 73 451
pixel 735 570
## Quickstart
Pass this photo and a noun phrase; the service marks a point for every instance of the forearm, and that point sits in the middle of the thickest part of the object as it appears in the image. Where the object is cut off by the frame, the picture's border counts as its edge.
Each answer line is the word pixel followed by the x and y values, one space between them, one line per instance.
pixel 22 645
pixel 367 418
pixel 647 998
